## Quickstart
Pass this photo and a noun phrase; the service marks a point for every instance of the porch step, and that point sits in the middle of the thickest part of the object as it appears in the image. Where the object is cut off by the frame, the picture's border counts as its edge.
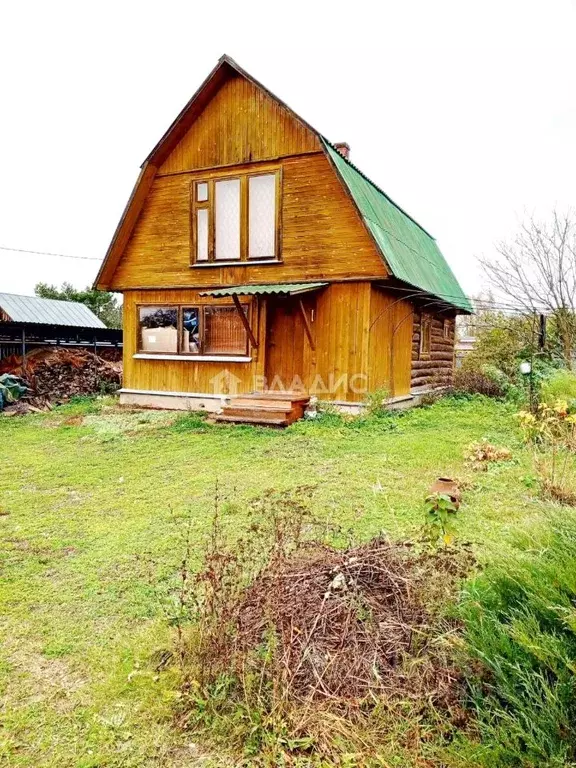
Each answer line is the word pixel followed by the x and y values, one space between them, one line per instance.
pixel 278 409
pixel 294 397
pixel 246 402
pixel 251 420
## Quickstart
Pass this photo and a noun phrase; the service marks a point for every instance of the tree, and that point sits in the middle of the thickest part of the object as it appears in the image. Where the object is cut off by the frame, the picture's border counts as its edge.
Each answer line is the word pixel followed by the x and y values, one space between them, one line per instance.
pixel 104 304
pixel 502 341
pixel 537 271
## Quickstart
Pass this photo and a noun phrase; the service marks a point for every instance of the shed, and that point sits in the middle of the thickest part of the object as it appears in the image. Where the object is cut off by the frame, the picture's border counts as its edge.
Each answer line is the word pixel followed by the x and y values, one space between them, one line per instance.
pixel 30 321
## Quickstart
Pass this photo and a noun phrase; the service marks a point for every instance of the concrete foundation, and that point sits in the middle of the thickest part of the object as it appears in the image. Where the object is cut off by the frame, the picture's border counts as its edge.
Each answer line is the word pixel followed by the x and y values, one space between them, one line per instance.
pixel 173 401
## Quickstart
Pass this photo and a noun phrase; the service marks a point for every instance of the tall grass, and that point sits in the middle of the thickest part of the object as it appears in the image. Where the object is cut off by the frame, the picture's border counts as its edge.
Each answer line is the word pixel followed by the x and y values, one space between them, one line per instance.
pixel 520 631
pixel 561 385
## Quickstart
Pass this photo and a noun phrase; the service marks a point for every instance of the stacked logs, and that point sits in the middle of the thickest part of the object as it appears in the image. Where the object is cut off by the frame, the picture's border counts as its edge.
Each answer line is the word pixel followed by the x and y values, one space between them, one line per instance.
pixel 435 369
pixel 57 373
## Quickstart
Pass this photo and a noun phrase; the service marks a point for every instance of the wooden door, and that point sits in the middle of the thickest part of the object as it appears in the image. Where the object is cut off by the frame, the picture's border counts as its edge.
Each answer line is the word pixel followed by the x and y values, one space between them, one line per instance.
pixel 289 356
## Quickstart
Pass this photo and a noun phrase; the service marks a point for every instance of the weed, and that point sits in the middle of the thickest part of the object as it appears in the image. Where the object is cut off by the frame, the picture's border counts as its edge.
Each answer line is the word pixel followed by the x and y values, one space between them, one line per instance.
pixel 192 421
pixel 560 385
pixel 376 403
pixel 439 515
pixel 551 431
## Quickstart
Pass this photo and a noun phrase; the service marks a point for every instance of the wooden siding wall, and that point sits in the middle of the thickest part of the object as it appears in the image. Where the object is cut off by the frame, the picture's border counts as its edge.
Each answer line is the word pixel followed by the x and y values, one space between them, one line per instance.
pixel 322 236
pixel 342 323
pixel 362 339
pixel 391 322
pixel 241 124
pixel 436 369
pixel 182 375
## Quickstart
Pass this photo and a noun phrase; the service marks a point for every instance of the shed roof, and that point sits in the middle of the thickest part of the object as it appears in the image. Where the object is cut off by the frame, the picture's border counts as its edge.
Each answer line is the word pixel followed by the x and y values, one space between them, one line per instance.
pixel 285 289
pixel 411 253
pixel 33 309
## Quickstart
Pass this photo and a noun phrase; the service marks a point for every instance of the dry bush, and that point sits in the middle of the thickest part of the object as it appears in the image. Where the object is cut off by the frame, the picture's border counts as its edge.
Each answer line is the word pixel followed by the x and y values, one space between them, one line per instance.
pixel 474 382
pixel 301 645
pixel 479 455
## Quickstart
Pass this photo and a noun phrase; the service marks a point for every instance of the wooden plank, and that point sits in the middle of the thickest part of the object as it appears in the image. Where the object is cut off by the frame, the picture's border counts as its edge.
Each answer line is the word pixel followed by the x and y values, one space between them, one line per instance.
pixel 125 226
pixel 245 321
pixel 307 327
pixel 253 126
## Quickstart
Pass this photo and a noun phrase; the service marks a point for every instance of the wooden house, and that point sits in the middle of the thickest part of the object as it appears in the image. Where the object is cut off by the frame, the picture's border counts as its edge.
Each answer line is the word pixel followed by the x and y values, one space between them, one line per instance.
pixel 254 257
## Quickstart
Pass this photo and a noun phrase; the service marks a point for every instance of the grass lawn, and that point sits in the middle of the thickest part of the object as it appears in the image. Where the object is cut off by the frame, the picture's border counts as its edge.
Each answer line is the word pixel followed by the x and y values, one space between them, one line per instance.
pixel 93 504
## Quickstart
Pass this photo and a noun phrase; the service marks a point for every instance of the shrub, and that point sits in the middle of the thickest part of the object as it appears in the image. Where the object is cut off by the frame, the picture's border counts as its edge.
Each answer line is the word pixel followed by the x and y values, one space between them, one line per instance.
pixel 472 382
pixel 501 342
pixel 551 431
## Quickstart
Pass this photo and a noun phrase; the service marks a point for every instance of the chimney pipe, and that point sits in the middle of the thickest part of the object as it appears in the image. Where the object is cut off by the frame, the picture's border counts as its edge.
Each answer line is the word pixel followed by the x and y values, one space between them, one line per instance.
pixel 343 148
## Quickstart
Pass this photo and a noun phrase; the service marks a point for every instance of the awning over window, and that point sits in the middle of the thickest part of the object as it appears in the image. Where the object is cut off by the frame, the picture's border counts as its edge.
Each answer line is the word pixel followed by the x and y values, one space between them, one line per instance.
pixel 282 289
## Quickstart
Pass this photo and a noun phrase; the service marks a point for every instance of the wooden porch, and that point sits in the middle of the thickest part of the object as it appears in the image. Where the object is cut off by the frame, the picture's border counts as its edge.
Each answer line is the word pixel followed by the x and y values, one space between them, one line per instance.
pixel 272 409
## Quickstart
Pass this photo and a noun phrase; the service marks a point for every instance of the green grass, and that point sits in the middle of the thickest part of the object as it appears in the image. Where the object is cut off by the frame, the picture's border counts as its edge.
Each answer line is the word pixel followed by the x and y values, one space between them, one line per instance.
pixel 93 503
pixel 520 619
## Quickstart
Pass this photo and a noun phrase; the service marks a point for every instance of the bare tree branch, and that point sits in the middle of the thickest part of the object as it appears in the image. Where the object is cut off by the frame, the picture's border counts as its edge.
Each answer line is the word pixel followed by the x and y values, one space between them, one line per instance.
pixel 537 270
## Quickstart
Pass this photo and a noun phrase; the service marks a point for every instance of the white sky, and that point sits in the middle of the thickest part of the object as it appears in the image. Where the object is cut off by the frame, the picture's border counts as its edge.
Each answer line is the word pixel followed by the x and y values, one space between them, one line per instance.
pixel 464 112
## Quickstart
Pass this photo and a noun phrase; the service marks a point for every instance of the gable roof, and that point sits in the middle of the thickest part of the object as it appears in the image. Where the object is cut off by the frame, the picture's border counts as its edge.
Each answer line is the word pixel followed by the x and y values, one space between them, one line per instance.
pixel 410 252
pixel 33 309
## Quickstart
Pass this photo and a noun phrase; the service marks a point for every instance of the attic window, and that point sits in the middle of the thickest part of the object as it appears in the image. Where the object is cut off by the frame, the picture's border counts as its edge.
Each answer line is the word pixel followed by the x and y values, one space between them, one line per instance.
pixel 236 218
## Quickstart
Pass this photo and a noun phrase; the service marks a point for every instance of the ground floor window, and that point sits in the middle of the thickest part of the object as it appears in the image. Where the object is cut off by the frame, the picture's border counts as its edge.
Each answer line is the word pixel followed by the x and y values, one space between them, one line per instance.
pixel 188 330
pixel 425 336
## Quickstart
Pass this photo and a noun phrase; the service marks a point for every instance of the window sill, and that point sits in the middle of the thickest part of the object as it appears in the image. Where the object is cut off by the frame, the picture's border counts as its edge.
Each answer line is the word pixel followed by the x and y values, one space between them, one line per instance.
pixel 246 263
pixel 195 358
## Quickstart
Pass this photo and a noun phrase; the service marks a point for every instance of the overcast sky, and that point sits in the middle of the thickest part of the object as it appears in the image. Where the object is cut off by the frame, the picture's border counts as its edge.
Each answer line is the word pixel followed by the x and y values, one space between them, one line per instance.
pixel 464 112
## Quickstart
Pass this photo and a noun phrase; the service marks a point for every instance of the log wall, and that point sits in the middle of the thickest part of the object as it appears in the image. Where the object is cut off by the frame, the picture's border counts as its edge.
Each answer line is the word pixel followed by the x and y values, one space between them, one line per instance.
pixel 435 369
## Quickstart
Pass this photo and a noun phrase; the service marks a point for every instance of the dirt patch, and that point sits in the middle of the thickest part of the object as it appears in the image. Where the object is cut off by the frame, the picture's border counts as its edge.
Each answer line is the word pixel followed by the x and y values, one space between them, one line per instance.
pixel 44 679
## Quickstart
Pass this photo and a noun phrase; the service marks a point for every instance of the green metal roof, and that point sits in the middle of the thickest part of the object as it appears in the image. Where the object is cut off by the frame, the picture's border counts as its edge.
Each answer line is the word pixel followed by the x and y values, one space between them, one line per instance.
pixel 287 289
pixel 409 251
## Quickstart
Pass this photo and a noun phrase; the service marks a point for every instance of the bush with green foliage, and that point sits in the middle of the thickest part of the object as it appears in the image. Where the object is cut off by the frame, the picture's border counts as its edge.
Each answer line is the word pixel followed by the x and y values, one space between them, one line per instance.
pixel 502 342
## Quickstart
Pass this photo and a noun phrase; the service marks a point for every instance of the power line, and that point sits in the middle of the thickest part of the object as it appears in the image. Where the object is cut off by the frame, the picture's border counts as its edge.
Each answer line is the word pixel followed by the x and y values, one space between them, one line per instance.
pixel 47 253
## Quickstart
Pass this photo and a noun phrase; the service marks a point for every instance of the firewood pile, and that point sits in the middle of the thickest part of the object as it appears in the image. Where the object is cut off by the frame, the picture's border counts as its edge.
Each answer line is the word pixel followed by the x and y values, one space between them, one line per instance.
pixel 353 624
pixel 54 374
